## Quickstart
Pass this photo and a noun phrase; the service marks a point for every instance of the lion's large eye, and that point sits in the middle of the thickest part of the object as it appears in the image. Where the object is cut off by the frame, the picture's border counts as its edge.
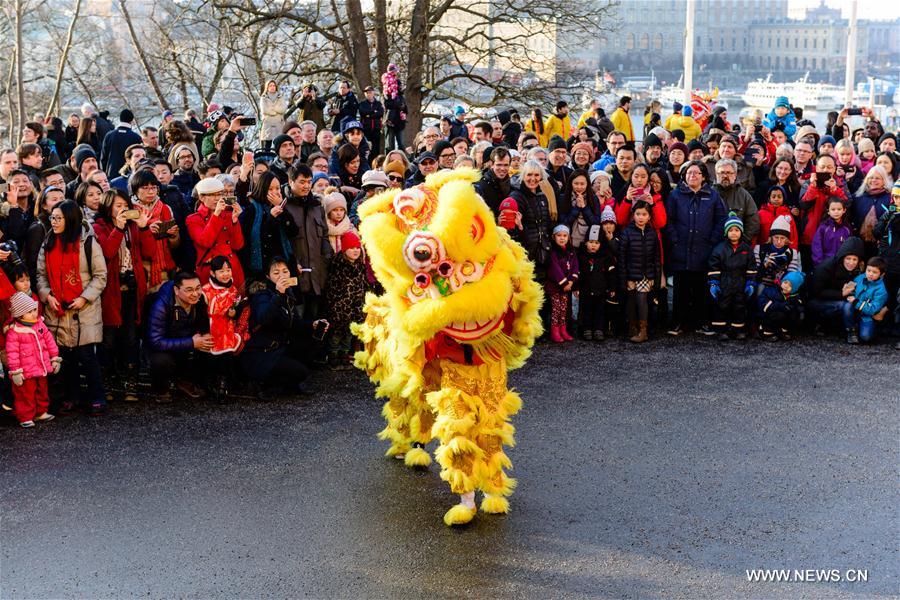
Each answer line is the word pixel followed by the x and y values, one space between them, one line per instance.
pixel 423 251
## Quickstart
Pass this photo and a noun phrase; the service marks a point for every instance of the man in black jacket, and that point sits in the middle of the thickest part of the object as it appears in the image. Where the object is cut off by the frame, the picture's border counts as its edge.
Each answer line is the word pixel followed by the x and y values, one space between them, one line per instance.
pixel 178 336
pixel 832 282
pixel 346 108
pixel 494 186
pixel 371 113
pixel 112 153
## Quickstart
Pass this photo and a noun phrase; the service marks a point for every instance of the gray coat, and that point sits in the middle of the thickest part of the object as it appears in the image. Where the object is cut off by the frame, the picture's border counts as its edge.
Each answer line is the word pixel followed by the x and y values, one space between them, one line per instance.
pixel 311 246
pixel 88 327
pixel 739 201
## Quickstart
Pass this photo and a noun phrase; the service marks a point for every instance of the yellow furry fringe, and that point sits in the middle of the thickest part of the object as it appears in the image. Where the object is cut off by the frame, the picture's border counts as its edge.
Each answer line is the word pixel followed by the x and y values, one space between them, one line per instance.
pixel 494 505
pixel 417 457
pixel 458 515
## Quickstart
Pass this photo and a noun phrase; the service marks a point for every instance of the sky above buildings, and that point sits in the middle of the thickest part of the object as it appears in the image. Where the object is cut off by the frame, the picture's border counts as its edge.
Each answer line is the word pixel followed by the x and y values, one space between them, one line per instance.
pixel 866 9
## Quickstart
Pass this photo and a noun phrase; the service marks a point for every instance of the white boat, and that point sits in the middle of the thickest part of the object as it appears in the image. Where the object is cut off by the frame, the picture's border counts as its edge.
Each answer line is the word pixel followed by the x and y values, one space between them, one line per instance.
pixel 801 94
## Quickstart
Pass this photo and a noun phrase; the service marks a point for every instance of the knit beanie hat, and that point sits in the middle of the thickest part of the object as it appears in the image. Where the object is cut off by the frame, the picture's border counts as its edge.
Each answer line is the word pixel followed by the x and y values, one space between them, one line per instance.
pixel 827 139
pixel 677 106
pixel 21 303
pixel 895 189
pixel 781 226
pixel 796 278
pixel 696 144
pixel 334 200
pixel 82 154
pixel 733 220
pixel 652 140
pixel 395 166
pixel 594 233
pixel 586 146
pixel 280 139
pixel 608 215
pixel 350 240
pixel 556 143
pixel 319 176
pixel 680 146
pixel 687 111
pixel 782 101
pixel 560 229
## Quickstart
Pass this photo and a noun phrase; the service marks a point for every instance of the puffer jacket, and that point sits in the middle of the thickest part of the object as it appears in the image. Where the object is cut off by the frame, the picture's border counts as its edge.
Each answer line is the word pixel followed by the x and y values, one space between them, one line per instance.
pixel 595 270
pixel 830 276
pixel 169 327
pixel 695 226
pixel 828 239
pixel 863 204
pixel 638 255
pixel 688 125
pixel 870 296
pixel 535 234
pixel 732 267
pixel 84 327
pixel 493 191
pixel 30 349
pixel 887 232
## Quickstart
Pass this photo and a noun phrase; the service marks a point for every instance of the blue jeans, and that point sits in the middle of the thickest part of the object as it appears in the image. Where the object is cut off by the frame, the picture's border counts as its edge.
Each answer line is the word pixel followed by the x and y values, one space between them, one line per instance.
pixel 853 318
pixel 826 311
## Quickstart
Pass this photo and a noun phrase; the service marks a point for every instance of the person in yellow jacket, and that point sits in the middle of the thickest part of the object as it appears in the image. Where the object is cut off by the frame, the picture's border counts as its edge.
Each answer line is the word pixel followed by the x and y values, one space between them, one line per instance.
pixel 591 112
pixel 559 123
pixel 621 120
pixel 686 123
pixel 537 126
pixel 676 114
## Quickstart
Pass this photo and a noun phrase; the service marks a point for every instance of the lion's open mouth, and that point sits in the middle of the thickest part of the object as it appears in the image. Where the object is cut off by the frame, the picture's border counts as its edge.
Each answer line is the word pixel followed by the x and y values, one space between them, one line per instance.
pixel 469 331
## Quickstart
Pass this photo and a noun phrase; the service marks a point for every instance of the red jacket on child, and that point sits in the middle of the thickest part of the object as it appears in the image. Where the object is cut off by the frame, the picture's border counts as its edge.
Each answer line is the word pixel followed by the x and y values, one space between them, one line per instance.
pixel 214 236
pixel 30 349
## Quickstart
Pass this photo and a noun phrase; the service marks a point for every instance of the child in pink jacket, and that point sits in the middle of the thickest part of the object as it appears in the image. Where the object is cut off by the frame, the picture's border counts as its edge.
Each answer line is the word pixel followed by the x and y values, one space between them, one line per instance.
pixel 32 354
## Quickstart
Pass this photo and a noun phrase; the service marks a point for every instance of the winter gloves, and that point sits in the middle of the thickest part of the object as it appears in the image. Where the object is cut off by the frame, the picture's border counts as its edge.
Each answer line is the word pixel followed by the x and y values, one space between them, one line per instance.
pixel 715 290
pixel 57 364
pixel 17 377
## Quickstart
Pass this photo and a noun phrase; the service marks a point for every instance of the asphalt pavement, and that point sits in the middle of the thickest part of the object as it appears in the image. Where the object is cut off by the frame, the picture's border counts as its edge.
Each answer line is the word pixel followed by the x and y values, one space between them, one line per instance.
pixel 657 471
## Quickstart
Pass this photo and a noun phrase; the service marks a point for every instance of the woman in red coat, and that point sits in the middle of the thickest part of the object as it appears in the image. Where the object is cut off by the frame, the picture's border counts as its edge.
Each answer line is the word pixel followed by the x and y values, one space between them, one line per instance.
pixel 123 297
pixel 215 230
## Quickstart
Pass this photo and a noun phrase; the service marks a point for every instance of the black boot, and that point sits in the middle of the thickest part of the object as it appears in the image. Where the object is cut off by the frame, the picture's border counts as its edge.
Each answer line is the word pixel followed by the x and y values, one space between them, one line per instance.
pixel 852 336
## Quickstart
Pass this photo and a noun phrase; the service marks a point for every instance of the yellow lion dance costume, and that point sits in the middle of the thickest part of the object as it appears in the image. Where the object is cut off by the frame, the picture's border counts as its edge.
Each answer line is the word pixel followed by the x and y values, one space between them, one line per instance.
pixel 460 308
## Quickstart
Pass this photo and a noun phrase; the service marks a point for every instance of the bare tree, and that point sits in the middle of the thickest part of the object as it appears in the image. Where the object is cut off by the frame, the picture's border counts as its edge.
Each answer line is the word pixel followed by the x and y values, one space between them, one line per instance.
pixel 148 70
pixel 63 58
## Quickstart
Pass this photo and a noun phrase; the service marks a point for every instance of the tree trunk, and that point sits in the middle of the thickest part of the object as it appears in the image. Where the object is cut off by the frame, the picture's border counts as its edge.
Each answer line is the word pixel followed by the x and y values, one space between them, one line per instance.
pixel 20 81
pixel 64 57
pixel 418 48
pixel 382 49
pixel 10 108
pixel 151 78
pixel 182 84
pixel 361 60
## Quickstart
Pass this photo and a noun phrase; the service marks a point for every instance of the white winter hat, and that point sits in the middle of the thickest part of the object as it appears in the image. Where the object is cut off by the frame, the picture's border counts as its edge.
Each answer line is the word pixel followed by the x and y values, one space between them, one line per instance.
pixel 781 226
pixel 210 185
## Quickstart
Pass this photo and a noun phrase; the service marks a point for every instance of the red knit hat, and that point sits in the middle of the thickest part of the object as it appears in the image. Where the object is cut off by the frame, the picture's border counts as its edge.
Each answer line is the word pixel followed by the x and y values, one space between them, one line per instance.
pixel 350 240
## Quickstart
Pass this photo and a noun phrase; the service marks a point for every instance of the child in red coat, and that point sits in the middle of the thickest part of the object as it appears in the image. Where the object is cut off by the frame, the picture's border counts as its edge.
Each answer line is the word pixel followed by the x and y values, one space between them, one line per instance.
pixel 228 331
pixel 32 354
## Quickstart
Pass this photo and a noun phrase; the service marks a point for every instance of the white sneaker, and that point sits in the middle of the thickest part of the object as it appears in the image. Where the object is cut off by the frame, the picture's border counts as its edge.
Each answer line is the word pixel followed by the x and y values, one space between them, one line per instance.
pixel 26 424
pixel 44 417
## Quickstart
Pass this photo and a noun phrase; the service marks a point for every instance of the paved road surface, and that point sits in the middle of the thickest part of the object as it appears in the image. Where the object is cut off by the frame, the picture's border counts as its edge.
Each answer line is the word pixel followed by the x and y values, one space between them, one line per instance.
pixel 660 471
